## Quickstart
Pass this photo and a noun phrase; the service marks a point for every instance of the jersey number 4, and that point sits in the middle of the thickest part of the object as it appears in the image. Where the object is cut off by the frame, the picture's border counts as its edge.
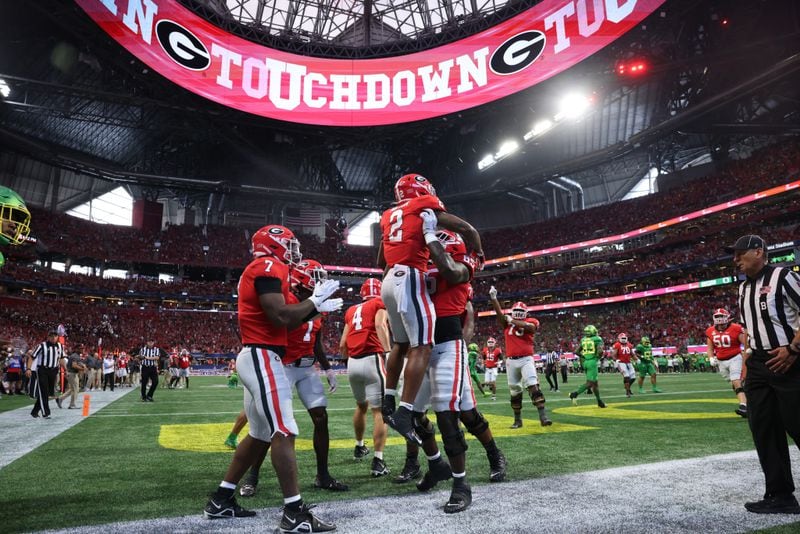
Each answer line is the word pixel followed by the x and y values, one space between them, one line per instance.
pixel 357 320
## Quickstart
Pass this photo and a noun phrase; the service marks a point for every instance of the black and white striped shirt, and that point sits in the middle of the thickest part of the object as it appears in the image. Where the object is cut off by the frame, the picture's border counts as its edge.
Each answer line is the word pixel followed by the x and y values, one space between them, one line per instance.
pixel 551 358
pixel 769 307
pixel 147 352
pixel 47 355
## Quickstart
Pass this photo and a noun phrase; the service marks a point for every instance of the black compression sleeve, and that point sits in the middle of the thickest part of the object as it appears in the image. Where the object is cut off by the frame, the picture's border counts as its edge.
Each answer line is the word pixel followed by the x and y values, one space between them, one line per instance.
pixel 266 284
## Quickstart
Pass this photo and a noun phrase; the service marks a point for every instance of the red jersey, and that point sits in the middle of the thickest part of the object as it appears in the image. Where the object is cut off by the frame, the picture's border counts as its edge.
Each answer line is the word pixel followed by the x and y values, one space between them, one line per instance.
pixel 726 343
pixel 301 339
pixel 623 351
pixel 184 360
pixel 253 324
pixel 449 301
pixel 401 226
pixel 518 341
pixel 362 337
pixel 122 362
pixel 490 358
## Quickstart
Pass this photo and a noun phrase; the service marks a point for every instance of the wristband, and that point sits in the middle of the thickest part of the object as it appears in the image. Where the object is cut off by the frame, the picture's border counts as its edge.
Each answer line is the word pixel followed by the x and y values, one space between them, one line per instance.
pixel 430 238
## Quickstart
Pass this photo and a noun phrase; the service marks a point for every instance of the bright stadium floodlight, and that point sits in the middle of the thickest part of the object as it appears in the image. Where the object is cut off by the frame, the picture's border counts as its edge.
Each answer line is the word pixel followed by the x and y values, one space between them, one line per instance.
pixel 542 126
pixel 5 90
pixel 486 162
pixel 572 106
pixel 508 147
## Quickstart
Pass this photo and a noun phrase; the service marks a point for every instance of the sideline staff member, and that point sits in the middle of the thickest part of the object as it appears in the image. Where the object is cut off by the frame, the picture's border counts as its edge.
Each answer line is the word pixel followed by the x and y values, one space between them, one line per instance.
pixel 769 304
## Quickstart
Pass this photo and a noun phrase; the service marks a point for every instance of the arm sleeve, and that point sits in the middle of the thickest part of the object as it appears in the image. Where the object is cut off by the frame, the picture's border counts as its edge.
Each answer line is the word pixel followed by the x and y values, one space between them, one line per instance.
pixel 266 284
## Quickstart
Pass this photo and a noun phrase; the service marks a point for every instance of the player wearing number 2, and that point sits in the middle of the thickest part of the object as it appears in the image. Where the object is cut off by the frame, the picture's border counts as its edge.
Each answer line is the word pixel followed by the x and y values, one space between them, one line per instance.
pixel 725 340
pixel 404 254
pixel 364 342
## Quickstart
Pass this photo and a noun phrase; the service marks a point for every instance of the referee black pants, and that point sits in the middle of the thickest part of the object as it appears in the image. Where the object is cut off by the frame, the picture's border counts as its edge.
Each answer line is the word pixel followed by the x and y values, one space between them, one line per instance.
pixel 773 406
pixel 550 371
pixel 44 384
pixel 149 373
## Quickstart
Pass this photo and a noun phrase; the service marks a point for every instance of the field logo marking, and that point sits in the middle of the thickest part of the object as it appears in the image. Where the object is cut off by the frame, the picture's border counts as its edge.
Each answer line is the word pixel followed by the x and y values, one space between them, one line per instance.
pixel 621 411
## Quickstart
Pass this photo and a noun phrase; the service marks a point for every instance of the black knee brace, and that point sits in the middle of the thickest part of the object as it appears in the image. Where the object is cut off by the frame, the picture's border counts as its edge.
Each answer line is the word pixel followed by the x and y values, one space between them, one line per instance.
pixel 738 390
pixel 423 426
pixel 516 401
pixel 536 395
pixel 452 435
pixel 475 422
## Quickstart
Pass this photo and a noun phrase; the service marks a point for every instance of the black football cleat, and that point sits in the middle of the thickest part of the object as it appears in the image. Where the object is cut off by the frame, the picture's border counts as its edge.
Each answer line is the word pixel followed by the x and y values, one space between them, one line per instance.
pixel 741 410
pixel 217 508
pixel 601 404
pixel 497 467
pixel 437 472
pixel 388 407
pixel 360 452
pixel 330 484
pixel 379 468
pixel 517 423
pixel 411 470
pixel 302 521
pixel 460 499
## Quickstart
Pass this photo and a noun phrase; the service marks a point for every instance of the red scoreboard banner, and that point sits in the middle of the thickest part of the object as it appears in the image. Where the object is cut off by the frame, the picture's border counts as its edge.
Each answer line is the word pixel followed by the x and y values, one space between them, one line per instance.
pixel 514 55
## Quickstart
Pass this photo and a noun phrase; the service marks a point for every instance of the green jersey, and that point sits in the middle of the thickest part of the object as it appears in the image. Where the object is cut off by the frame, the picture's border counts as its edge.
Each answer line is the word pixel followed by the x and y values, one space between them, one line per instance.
pixel 473 362
pixel 644 352
pixel 591 347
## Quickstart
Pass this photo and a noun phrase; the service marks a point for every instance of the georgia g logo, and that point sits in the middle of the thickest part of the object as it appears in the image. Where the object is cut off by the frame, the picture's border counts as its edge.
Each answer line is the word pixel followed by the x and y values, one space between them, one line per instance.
pixel 518 52
pixel 275 231
pixel 182 46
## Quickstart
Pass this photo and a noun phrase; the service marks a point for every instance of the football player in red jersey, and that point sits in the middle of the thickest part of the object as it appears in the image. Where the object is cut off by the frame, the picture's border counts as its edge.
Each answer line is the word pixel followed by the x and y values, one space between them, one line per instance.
pixel 304 348
pixel 492 355
pixel 519 330
pixel 265 317
pixel 622 353
pixel 364 342
pixel 447 387
pixel 725 341
pixel 404 254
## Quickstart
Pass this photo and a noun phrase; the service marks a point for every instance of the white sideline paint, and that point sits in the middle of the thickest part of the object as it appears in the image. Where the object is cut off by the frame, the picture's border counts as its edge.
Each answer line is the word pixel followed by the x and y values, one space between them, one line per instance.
pixel 22 433
pixel 679 496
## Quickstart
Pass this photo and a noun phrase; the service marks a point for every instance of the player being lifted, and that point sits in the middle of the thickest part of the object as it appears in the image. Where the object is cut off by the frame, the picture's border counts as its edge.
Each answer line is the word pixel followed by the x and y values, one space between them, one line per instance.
pixel 622 353
pixel 644 350
pixel 725 340
pixel 15 220
pixel 590 351
pixel 492 355
pixel 403 252
pixel 365 341
pixel 519 330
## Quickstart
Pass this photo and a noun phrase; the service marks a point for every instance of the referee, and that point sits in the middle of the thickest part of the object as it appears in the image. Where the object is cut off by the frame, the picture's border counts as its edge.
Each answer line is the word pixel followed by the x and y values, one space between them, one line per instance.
pixel 769 305
pixel 43 365
pixel 150 355
pixel 551 362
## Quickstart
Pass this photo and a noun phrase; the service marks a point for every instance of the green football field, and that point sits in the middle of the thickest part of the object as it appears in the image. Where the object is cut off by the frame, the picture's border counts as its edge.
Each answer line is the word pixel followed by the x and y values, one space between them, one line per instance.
pixel 135 460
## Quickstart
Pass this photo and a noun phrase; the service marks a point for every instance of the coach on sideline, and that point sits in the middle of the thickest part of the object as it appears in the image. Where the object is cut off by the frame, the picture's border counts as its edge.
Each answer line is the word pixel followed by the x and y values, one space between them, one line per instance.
pixel 44 362
pixel 769 304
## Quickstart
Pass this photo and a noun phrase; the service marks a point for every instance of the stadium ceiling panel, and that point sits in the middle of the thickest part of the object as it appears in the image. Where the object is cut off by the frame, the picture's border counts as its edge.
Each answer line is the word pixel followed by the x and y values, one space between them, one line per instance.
pixel 81 102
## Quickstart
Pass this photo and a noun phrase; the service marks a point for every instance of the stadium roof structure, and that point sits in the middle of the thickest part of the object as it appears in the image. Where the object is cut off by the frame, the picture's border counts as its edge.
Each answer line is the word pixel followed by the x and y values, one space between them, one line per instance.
pixel 84 116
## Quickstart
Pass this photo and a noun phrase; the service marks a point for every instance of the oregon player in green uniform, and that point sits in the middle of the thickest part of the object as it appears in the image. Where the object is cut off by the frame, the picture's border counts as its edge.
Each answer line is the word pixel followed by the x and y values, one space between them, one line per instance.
pixel 472 354
pixel 646 366
pixel 590 352
pixel 15 219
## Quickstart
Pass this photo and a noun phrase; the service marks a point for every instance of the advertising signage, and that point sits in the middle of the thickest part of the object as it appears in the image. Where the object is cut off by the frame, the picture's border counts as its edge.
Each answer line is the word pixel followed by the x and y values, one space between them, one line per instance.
pixel 507 58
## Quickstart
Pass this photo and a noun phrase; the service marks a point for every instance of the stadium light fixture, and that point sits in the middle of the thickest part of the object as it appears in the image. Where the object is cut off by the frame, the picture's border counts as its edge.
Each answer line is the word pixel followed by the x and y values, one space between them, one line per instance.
pixel 5 90
pixel 572 106
pixel 508 147
pixel 542 126
pixel 486 162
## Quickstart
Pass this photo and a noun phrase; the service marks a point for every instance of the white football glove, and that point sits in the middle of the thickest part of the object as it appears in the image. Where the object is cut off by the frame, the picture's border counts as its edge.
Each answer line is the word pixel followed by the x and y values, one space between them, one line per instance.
pixel 429 221
pixel 332 383
pixel 508 319
pixel 322 292
pixel 493 293
pixel 330 305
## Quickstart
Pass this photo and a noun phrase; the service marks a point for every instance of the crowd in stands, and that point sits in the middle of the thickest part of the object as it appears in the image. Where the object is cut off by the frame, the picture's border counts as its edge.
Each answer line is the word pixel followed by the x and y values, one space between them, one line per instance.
pixel 768 167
